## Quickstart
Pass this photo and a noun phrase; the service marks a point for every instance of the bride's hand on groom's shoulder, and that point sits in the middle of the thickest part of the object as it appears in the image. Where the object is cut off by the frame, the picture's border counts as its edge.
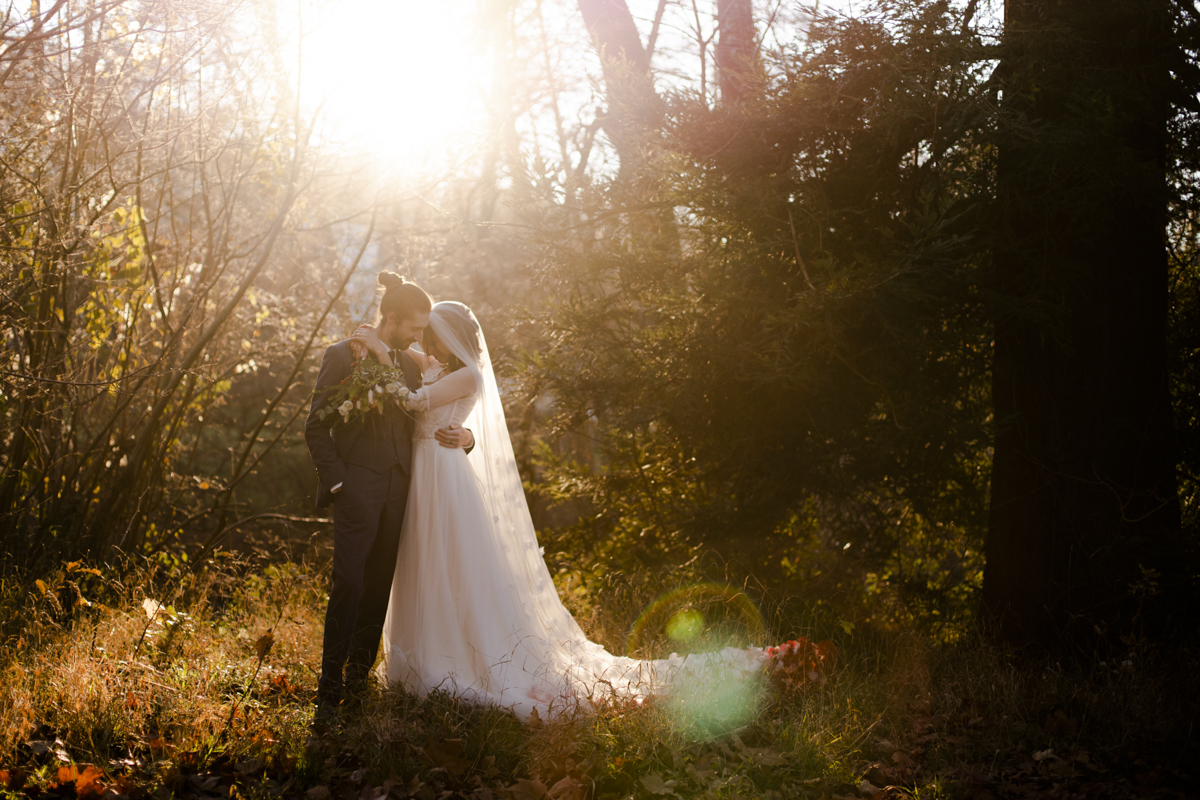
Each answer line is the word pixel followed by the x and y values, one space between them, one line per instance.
pixel 365 340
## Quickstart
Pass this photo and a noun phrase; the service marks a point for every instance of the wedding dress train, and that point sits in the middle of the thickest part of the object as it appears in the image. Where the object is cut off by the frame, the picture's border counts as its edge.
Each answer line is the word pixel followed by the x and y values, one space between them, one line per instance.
pixel 473 609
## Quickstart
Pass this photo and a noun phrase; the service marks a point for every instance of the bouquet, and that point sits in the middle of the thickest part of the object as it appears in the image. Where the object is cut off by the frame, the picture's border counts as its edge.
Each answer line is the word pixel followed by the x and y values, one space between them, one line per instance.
pixel 799 664
pixel 370 388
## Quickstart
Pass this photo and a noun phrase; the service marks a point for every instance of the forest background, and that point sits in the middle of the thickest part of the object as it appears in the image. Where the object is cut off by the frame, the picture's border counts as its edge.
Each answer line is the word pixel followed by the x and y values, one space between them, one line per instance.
pixel 886 317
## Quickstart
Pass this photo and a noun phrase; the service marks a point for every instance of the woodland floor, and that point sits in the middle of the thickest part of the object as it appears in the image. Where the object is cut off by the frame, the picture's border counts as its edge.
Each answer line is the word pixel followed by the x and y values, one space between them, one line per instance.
pixel 110 693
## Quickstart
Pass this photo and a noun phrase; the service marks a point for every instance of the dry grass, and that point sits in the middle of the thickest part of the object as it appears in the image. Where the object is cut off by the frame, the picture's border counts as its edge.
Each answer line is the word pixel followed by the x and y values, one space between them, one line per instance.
pixel 179 697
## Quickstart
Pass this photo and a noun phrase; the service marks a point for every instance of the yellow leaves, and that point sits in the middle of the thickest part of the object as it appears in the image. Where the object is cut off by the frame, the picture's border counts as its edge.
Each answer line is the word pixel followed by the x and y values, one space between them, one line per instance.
pixel 52 588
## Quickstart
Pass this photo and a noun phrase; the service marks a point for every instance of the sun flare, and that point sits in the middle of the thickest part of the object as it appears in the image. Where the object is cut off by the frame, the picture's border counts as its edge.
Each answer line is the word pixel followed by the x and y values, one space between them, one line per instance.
pixel 402 80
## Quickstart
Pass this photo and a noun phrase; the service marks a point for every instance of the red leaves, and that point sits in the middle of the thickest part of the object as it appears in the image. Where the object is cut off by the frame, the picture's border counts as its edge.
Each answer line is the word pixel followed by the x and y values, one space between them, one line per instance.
pixel 799 664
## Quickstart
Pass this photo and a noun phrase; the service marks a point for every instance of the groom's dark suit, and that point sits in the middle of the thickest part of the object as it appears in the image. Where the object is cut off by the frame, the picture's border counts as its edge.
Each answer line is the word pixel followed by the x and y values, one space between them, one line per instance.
pixel 370 457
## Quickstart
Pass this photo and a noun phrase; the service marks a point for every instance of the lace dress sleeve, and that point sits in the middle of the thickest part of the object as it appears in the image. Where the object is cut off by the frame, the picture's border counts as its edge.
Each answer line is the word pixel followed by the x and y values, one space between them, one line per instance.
pixel 443 391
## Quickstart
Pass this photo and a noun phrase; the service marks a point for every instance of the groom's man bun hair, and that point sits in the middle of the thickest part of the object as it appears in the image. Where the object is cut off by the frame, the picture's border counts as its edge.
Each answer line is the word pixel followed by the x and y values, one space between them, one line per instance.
pixel 403 298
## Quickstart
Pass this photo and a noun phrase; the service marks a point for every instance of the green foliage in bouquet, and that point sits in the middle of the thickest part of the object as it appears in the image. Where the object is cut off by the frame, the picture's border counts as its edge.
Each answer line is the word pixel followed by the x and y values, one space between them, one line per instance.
pixel 370 388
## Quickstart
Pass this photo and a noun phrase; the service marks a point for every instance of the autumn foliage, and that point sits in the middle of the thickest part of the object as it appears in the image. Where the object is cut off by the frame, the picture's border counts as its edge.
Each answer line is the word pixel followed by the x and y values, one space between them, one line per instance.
pixel 799 664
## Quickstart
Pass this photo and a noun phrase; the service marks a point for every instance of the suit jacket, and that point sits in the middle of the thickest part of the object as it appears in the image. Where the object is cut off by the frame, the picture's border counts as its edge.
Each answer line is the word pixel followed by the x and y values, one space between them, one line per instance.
pixel 377 442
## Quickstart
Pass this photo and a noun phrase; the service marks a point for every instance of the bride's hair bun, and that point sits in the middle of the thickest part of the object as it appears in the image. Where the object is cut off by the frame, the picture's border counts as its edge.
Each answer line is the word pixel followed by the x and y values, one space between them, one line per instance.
pixel 402 298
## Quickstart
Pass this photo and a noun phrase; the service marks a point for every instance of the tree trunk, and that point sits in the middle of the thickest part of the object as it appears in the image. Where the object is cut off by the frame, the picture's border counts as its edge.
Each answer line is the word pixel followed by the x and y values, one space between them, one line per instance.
pixel 738 67
pixel 633 106
pixel 1084 539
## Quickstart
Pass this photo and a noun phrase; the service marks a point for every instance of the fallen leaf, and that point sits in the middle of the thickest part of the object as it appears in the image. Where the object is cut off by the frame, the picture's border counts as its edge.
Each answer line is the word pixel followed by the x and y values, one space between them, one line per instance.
pixel 86 782
pixel 151 607
pixel 248 767
pixel 568 789
pixel 318 793
pixel 447 753
pixel 56 748
pixel 13 780
pixel 868 788
pixel 766 756
pixel 262 645
pixel 656 785
pixel 525 789
pixel 204 784
pixel 1059 724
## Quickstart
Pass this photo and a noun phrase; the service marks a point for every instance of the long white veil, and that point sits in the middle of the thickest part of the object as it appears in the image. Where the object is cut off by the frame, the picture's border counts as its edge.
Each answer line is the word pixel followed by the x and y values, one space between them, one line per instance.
pixel 555 647
pixel 495 465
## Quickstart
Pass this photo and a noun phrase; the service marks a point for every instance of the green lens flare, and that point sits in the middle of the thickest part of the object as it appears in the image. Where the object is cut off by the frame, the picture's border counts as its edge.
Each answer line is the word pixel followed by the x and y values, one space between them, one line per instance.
pixel 716 702
pixel 703 615
pixel 704 618
pixel 685 625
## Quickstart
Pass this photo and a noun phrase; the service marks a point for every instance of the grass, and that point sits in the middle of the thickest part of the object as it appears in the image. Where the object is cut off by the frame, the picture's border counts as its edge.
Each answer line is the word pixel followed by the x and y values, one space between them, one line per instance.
pixel 162 679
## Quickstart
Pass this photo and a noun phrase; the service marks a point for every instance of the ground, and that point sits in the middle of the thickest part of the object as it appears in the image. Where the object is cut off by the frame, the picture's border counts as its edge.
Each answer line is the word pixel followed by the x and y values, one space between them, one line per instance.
pixel 199 684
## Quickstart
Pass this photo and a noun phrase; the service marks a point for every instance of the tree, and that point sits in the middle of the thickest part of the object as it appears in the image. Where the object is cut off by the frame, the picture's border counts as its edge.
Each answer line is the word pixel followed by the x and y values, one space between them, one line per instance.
pixel 1084 520
pixel 634 110
pixel 801 386
pixel 738 68
pixel 148 185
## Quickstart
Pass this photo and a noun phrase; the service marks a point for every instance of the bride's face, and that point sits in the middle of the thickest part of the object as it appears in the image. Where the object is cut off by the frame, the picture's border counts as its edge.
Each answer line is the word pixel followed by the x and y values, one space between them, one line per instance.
pixel 434 347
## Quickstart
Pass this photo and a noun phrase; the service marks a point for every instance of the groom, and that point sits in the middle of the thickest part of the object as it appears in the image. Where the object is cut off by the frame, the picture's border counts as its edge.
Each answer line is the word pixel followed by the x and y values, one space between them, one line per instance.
pixel 363 468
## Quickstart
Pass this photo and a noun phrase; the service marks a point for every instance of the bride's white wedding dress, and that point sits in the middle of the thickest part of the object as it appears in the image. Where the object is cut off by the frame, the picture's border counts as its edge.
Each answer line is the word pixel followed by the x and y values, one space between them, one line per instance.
pixel 473 609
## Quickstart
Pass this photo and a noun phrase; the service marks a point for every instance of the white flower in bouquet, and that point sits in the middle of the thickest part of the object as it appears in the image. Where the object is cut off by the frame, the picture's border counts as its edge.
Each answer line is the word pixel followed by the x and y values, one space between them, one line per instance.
pixel 345 408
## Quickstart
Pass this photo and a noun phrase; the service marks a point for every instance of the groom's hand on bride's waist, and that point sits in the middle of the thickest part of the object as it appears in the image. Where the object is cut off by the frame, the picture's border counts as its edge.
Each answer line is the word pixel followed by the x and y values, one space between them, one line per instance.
pixel 454 437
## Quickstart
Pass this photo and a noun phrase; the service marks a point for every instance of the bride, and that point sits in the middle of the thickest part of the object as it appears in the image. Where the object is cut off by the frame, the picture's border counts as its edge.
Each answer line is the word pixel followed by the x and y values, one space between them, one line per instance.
pixel 473 609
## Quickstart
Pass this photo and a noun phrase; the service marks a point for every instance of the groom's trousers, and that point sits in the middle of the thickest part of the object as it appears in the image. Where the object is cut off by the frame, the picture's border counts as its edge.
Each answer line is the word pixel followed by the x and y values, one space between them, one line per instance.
pixel 368 513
